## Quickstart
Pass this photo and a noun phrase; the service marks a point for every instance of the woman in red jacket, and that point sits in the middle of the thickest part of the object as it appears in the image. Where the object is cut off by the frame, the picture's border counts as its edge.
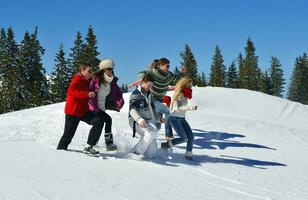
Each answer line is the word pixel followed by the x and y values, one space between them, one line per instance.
pixel 76 110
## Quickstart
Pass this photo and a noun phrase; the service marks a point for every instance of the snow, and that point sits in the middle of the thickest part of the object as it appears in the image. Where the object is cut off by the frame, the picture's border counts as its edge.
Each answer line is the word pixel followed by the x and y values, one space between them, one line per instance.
pixel 248 145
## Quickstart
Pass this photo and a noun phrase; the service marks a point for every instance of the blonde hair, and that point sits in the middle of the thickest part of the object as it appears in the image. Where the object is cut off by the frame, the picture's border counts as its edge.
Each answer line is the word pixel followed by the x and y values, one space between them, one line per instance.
pixel 181 84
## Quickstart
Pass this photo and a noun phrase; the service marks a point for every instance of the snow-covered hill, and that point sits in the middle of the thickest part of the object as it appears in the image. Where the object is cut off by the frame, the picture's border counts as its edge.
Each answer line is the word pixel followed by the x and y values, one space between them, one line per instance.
pixel 248 145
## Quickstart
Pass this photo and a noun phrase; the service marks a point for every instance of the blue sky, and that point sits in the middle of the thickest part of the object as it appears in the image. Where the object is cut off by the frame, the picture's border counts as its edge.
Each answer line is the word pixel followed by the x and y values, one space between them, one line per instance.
pixel 135 32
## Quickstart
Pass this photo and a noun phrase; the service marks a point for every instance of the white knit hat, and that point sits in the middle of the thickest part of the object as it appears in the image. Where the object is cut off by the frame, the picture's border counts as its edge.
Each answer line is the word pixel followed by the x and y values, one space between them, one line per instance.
pixel 106 63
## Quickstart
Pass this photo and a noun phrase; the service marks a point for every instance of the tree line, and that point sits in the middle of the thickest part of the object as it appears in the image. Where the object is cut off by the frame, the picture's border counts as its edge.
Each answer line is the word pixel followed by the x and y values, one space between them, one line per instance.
pixel 25 84
pixel 23 79
pixel 244 72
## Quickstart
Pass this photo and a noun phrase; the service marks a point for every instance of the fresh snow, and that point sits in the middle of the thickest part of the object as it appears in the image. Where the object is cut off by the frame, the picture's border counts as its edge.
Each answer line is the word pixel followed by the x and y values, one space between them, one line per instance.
pixel 248 145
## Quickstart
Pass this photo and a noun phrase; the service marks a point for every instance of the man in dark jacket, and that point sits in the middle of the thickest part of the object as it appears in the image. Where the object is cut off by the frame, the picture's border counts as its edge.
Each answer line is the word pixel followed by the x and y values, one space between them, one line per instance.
pixel 143 118
pixel 76 110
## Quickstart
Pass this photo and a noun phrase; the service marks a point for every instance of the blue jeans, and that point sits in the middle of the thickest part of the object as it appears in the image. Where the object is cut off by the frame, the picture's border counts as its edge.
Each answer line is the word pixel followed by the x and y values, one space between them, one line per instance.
pixel 161 108
pixel 183 129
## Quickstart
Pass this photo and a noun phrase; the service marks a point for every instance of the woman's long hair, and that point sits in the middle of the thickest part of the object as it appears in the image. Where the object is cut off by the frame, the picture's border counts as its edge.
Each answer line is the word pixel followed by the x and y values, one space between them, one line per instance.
pixel 181 84
pixel 154 64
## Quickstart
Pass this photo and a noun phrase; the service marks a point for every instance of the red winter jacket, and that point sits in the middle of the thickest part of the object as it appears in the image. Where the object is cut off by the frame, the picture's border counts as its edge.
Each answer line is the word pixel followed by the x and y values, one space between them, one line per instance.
pixel 77 96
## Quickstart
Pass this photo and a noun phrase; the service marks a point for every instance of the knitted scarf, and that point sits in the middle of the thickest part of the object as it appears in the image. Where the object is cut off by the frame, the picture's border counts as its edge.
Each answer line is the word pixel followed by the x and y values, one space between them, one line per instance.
pixel 187 92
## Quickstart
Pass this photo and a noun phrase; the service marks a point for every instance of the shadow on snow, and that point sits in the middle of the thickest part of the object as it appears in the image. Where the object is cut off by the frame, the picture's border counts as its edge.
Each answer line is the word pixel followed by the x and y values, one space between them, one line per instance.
pixel 204 140
pixel 213 141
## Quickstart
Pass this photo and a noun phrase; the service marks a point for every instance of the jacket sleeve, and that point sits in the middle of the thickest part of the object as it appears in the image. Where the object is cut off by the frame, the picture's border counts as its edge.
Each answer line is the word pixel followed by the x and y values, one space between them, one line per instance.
pixel 133 111
pixel 171 88
pixel 76 90
pixel 137 82
pixel 173 78
pixel 94 86
pixel 176 77
pixel 142 73
pixel 134 114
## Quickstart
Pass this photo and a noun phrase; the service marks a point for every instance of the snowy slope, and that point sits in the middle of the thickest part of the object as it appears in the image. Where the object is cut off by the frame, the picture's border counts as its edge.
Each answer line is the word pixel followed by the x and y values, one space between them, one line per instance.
pixel 248 145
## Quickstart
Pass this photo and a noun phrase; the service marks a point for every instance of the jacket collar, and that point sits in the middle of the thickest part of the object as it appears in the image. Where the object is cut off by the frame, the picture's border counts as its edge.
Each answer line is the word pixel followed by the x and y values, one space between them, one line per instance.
pixel 143 92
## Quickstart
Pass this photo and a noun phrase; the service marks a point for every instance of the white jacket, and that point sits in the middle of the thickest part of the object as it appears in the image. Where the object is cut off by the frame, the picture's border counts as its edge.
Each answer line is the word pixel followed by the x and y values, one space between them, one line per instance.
pixel 180 107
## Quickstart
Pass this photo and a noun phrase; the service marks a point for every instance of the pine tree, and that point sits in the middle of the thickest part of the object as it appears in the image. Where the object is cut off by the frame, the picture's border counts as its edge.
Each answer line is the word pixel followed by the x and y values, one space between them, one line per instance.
pixel 2 49
pixel 176 70
pixel 25 56
pixel 12 96
pixel 198 82
pixel 298 89
pixel 76 54
pixel 2 70
pixel 232 76
pixel 295 88
pixel 60 77
pixel 90 53
pixel 260 76
pixel 242 74
pixel 276 77
pixel 251 68
pixel 266 85
pixel 124 88
pixel 190 63
pixel 37 87
pixel 305 81
pixel 218 70
pixel 202 80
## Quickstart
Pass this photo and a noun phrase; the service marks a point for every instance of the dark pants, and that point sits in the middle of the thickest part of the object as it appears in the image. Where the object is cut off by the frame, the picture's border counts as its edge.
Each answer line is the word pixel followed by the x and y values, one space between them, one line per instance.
pixel 108 123
pixel 71 123
pixel 107 120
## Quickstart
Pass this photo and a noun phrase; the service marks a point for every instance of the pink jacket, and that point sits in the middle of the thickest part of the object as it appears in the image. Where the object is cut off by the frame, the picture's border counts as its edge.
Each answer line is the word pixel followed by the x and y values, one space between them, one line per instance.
pixel 93 101
pixel 114 100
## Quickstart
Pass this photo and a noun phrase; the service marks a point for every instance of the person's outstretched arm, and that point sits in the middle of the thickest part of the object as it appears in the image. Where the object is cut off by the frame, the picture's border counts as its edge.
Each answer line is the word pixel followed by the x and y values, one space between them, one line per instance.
pixel 137 82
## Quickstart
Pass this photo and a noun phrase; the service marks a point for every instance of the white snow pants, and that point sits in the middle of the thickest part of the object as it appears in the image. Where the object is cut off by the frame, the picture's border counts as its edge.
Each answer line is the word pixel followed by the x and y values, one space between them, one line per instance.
pixel 147 144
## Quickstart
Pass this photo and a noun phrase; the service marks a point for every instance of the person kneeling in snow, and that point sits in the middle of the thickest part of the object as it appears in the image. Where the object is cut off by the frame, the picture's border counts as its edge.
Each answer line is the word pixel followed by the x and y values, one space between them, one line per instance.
pixel 143 118
pixel 179 106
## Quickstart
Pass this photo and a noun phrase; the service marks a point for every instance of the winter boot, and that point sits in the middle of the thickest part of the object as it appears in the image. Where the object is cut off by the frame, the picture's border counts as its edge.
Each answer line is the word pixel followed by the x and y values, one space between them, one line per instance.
pixel 109 142
pixel 166 145
pixel 111 147
pixel 188 155
pixel 90 150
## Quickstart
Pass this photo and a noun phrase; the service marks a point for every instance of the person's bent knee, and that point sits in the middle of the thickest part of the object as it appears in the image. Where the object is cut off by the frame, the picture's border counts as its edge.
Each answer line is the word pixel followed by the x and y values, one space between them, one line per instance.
pixel 184 139
pixel 150 134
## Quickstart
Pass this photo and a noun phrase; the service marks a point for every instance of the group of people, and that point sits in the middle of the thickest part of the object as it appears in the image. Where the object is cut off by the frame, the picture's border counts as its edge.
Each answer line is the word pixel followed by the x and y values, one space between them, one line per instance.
pixel 90 94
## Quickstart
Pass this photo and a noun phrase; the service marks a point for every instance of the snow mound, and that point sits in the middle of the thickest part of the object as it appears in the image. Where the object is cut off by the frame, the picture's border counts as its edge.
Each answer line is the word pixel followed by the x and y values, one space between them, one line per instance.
pixel 248 145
